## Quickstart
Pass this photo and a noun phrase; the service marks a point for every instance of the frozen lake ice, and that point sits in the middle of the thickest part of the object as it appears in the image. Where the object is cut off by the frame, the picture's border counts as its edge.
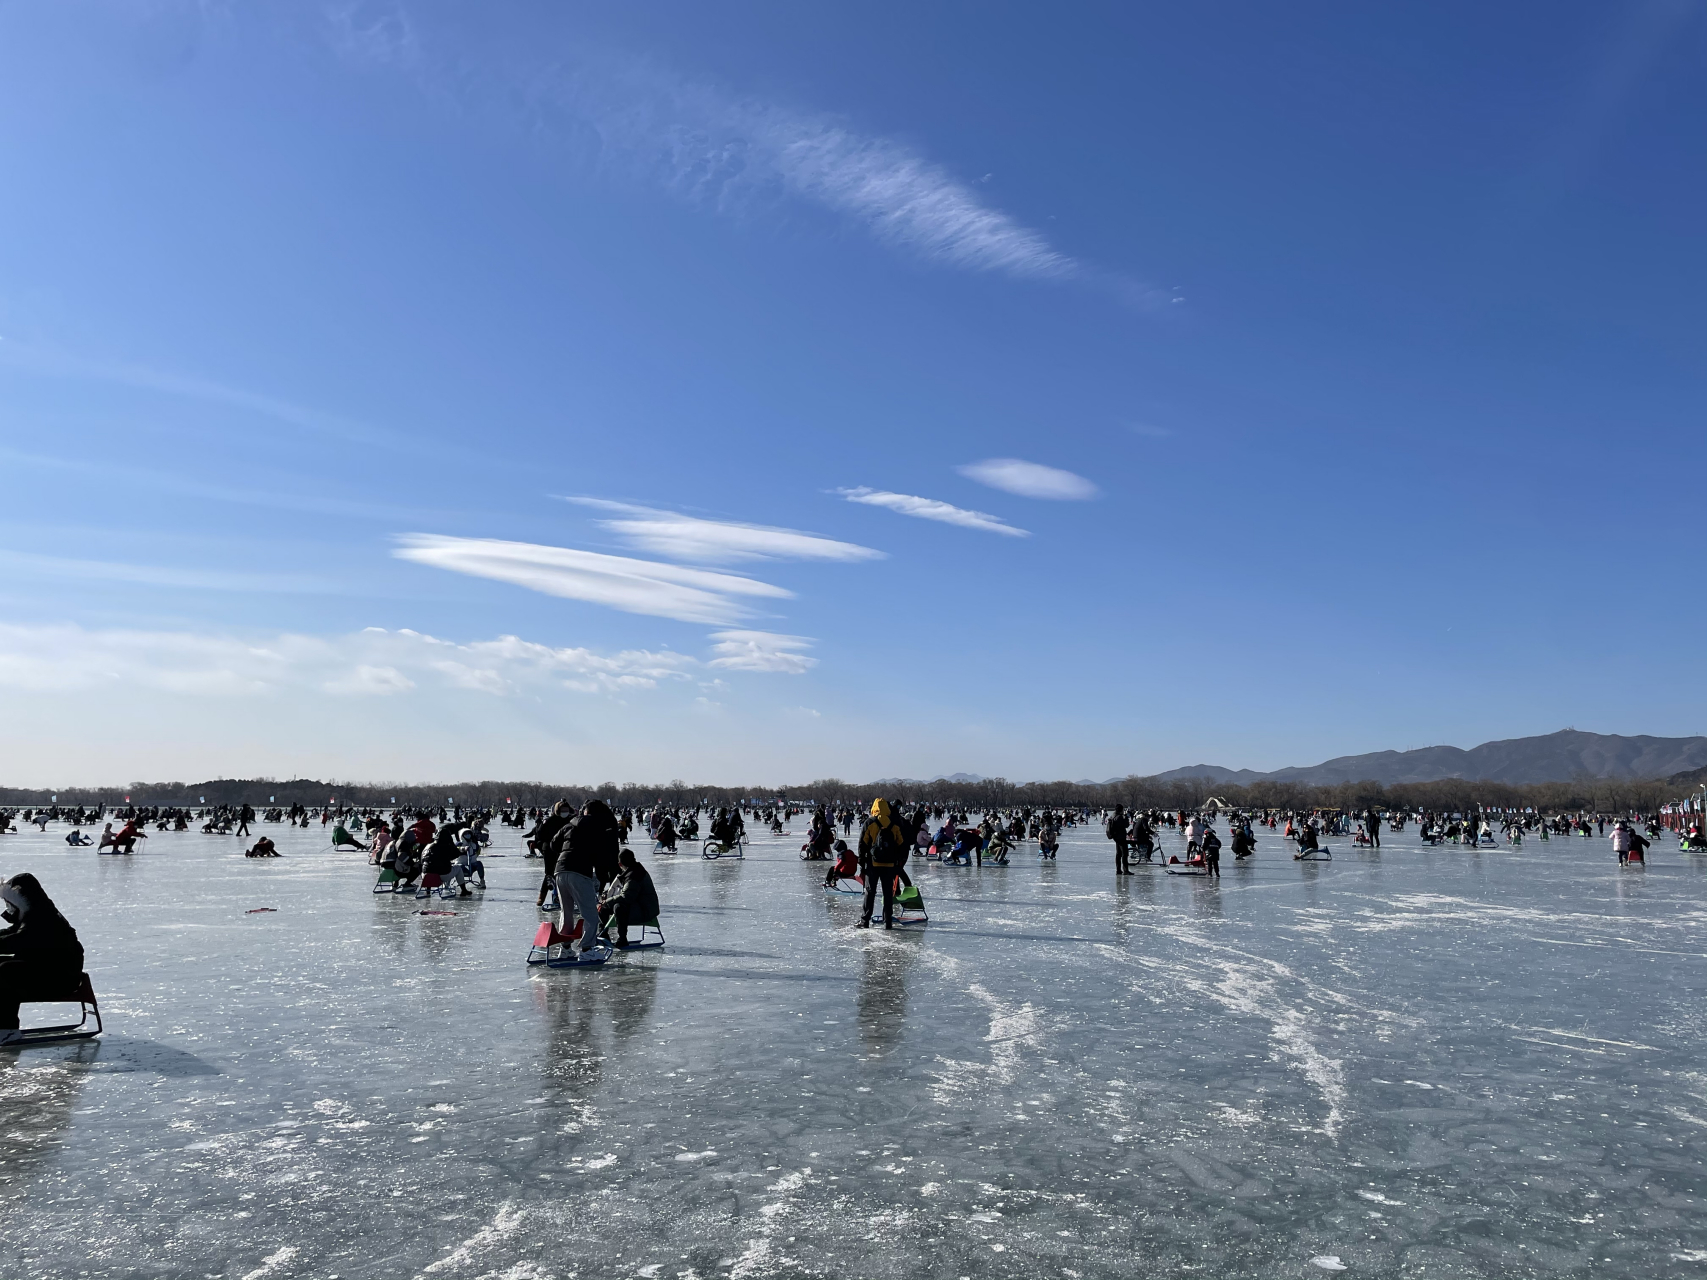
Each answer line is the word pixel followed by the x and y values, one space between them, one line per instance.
pixel 1417 1062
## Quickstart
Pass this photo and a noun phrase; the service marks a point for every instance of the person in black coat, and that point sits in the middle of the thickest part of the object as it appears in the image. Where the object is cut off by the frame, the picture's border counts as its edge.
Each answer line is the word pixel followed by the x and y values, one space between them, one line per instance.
pixel 631 897
pixel 441 853
pixel 40 956
pixel 543 840
pixel 586 858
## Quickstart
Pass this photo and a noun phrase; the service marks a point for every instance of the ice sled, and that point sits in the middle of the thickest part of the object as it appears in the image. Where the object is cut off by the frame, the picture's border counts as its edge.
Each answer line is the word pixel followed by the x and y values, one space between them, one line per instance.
pixel 1314 855
pixel 342 838
pixel 387 882
pixel 1177 868
pixel 846 884
pixel 651 935
pixel 80 992
pixel 567 959
pixel 910 906
pixel 556 951
pixel 545 938
pixel 717 849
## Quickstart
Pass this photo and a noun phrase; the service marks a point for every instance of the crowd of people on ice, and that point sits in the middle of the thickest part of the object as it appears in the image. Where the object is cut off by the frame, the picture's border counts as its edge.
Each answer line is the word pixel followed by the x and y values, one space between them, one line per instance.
pixel 601 890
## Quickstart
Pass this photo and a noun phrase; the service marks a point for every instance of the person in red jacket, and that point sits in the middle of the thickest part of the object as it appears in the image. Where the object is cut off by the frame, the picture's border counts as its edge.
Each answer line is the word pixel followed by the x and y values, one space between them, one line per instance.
pixel 845 867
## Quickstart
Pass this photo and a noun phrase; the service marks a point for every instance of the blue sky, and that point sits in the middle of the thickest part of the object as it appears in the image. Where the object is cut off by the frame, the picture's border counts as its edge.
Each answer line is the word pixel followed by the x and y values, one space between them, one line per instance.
pixel 760 392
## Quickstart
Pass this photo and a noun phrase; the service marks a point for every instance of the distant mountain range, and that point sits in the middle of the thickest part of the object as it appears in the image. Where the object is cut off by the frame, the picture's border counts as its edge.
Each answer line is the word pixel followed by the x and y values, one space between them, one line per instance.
pixel 1553 757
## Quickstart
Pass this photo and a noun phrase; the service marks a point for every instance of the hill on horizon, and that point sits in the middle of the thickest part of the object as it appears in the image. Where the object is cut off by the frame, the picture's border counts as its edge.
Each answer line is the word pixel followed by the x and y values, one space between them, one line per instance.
pixel 1554 757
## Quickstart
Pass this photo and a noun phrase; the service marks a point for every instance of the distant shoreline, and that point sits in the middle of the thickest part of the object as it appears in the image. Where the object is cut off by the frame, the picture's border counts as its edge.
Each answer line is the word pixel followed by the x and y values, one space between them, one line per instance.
pixel 1601 795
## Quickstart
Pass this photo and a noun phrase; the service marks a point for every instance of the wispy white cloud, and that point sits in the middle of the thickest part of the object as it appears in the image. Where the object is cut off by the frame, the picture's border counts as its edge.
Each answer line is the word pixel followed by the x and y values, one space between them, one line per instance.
pixel 25 564
pixel 1030 479
pixel 365 678
pixel 378 31
pixel 761 651
pixel 52 362
pixel 728 153
pixel 371 662
pixel 932 509
pixel 904 198
pixel 633 586
pixel 683 537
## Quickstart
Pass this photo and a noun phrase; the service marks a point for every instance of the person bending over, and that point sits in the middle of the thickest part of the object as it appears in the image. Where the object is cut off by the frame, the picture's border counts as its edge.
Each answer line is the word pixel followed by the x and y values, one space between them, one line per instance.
pixel 441 855
pixel 586 848
pixel 405 854
pixel 264 848
pixel 666 834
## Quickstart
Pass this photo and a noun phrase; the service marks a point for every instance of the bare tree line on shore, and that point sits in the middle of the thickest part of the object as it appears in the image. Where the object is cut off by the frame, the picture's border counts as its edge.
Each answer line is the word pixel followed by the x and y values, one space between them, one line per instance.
pixel 1601 795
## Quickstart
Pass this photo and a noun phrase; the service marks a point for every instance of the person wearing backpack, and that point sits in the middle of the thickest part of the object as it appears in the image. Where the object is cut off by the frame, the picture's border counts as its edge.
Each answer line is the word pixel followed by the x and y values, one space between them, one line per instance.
pixel 1117 830
pixel 881 853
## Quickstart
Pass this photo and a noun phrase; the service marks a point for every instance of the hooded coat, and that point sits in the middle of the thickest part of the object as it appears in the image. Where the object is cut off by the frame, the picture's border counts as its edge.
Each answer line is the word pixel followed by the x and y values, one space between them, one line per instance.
pixel 41 941
pixel 882 842
pixel 589 845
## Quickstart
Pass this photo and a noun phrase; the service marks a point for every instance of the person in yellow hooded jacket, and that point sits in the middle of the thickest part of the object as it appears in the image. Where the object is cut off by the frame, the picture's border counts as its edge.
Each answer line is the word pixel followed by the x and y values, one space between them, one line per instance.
pixel 882 851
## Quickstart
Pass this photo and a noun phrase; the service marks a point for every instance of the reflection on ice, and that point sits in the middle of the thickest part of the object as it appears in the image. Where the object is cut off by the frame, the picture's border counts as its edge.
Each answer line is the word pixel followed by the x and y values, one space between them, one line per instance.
pixel 1428 1062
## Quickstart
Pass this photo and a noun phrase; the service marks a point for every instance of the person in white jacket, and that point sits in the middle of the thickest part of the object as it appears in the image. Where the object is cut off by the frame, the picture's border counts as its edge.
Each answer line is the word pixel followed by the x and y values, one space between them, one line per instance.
pixel 1621 840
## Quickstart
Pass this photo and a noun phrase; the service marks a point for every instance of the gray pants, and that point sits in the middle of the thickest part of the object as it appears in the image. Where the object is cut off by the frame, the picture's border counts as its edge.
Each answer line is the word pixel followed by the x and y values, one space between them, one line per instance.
pixel 579 895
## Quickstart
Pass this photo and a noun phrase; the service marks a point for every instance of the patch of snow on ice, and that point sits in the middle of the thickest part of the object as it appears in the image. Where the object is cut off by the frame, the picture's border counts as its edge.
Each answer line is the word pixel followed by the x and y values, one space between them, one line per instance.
pixel 505 1223
pixel 272 1263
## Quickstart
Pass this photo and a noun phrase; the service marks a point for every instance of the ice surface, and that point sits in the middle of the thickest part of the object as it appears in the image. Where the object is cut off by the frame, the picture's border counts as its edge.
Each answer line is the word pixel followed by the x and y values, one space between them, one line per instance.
pixel 1417 1062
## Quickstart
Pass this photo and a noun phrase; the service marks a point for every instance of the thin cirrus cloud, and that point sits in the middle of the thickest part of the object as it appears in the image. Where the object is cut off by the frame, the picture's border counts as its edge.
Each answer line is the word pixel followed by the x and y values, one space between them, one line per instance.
pixel 25 564
pixel 683 537
pixel 725 152
pixel 711 147
pixel 633 586
pixel 1030 479
pixel 373 662
pixel 908 504
pixel 52 362
pixel 761 651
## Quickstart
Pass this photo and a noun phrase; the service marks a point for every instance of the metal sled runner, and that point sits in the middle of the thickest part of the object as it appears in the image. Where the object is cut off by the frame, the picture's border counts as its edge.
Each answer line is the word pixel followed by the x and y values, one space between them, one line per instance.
pixel 555 951
pixel 81 993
